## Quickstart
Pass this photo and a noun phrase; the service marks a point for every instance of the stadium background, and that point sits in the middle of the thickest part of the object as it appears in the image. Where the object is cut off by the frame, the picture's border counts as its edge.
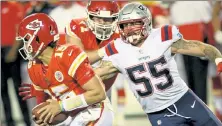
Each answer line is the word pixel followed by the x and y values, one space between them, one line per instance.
pixel 198 26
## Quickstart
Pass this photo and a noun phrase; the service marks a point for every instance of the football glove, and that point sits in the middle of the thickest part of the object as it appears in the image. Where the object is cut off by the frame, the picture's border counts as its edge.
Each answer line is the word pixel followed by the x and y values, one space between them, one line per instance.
pixel 26 91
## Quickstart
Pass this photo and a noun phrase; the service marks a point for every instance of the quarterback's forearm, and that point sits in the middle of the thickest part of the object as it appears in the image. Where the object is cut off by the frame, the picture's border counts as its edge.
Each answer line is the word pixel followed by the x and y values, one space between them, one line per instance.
pixel 196 48
pixel 105 73
pixel 94 93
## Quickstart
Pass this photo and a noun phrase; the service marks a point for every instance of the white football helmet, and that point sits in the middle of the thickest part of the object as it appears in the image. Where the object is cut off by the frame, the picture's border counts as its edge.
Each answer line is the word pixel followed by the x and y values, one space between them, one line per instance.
pixel 131 13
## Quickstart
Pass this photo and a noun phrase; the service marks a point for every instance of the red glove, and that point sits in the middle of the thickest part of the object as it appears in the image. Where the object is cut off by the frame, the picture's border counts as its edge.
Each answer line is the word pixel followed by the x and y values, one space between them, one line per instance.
pixel 26 91
pixel 219 68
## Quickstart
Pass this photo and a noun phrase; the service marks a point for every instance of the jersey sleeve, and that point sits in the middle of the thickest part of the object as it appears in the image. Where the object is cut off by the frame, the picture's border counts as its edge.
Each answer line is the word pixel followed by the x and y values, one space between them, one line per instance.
pixel 73 29
pixel 170 33
pixel 77 64
pixel 110 53
pixel 36 77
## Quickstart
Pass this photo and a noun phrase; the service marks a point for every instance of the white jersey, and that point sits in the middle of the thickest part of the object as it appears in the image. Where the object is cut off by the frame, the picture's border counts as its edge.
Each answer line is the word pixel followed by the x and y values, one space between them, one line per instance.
pixel 151 70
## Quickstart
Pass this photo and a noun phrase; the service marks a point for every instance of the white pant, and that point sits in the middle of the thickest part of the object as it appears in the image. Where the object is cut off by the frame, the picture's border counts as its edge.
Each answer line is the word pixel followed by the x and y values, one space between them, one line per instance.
pixel 99 116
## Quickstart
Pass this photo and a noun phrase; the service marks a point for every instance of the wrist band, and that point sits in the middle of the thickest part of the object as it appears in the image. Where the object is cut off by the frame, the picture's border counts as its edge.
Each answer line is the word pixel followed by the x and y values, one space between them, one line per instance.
pixel 61 106
pixel 73 103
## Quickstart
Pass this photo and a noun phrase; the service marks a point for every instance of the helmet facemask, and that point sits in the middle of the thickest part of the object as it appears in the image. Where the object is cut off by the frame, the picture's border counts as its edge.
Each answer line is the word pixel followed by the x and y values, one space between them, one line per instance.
pixel 135 34
pixel 36 31
pixel 28 51
pixel 101 30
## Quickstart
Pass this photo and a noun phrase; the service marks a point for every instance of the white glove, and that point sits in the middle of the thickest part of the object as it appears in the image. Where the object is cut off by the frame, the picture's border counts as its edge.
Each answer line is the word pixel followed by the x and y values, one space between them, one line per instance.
pixel 218 37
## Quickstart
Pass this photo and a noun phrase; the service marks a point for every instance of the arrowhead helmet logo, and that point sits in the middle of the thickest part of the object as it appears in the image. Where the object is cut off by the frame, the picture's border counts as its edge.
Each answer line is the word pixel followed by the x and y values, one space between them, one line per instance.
pixel 34 25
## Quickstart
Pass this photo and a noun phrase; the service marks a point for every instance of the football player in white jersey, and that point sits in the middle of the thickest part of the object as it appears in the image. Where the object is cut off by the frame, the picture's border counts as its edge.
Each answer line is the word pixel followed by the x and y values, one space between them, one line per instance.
pixel 145 56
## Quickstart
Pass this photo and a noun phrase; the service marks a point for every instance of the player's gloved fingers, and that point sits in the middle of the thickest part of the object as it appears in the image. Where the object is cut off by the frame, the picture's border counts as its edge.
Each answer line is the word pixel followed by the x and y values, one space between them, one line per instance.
pixel 43 114
pixel 51 118
pixel 47 118
pixel 24 93
pixel 26 85
pixel 43 124
pixel 24 89
pixel 39 122
pixel 34 118
pixel 27 97
pixel 42 109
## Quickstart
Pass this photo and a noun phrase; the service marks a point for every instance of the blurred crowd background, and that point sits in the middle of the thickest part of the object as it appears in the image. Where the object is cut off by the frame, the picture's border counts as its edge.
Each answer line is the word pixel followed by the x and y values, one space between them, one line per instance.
pixel 199 20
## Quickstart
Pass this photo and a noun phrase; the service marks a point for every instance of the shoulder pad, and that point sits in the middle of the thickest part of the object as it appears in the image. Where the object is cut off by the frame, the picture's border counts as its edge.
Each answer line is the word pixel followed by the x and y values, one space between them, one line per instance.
pixel 69 54
pixel 74 27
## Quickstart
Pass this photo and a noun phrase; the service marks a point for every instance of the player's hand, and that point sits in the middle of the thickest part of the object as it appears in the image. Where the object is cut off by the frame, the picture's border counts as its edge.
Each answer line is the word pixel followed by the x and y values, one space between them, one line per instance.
pixel 26 91
pixel 39 122
pixel 48 112
pixel 219 68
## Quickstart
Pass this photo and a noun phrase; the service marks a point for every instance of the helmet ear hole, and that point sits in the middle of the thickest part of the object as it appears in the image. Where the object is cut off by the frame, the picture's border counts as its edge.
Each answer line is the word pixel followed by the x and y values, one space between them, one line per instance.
pixel 121 26
pixel 91 17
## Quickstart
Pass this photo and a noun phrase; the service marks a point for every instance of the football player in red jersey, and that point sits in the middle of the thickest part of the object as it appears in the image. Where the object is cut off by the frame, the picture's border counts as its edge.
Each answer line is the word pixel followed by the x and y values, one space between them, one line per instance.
pixel 63 73
pixel 94 32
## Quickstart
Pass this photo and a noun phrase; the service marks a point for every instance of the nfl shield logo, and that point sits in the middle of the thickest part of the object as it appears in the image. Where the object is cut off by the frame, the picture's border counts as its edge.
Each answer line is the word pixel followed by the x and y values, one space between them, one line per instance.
pixel 59 76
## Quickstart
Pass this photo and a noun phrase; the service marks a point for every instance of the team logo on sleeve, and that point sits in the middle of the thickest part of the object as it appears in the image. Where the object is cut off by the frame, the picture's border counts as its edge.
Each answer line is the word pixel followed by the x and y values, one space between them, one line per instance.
pixel 59 76
pixel 179 35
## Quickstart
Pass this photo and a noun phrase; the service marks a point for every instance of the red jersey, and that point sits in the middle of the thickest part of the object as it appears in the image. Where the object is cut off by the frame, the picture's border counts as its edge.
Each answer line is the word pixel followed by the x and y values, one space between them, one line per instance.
pixel 78 28
pixel 67 71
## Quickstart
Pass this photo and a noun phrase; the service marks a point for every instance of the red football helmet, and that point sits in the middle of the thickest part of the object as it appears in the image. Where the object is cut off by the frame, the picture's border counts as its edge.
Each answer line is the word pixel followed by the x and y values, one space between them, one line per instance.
pixel 106 10
pixel 37 31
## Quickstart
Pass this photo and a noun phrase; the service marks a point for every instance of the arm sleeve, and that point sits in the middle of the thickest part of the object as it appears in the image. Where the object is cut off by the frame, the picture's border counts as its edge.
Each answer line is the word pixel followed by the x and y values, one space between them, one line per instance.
pixel 36 77
pixel 40 96
pixel 84 73
pixel 170 34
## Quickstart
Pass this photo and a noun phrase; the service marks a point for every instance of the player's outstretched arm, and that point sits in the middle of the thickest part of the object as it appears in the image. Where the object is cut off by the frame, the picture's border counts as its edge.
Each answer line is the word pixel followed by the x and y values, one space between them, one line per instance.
pixel 106 70
pixel 95 55
pixel 94 93
pixel 197 48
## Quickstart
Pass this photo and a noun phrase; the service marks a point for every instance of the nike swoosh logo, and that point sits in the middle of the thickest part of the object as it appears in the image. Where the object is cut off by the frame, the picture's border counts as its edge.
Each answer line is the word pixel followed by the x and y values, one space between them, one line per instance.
pixel 192 106
pixel 70 53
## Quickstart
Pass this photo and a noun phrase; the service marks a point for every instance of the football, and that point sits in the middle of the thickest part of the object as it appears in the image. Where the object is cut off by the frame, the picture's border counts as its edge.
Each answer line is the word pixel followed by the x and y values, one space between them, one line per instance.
pixel 57 119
